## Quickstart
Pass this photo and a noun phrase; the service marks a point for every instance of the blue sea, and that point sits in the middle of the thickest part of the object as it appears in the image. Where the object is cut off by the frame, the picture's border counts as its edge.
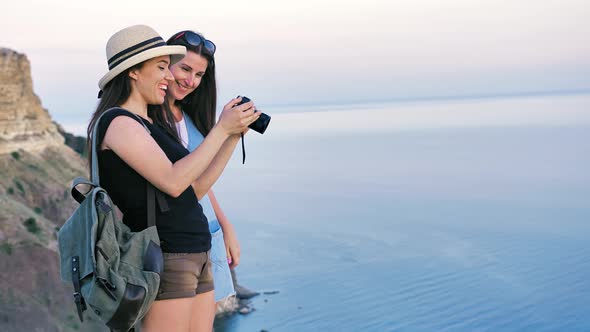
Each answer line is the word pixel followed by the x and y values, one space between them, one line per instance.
pixel 468 215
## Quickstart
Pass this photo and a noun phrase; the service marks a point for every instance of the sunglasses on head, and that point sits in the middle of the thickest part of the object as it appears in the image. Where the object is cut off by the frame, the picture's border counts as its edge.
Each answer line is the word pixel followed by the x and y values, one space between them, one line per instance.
pixel 192 39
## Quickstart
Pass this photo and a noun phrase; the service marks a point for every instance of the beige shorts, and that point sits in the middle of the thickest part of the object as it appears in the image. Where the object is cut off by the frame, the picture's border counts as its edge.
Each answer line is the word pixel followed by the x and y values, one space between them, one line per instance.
pixel 185 275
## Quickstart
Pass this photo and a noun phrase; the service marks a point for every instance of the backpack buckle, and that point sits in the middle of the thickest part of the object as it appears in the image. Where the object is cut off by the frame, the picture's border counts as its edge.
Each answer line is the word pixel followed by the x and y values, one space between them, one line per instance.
pixel 80 304
pixel 78 298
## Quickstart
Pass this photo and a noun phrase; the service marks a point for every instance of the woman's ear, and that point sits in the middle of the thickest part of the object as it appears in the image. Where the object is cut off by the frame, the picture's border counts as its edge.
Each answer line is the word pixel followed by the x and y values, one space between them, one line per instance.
pixel 133 74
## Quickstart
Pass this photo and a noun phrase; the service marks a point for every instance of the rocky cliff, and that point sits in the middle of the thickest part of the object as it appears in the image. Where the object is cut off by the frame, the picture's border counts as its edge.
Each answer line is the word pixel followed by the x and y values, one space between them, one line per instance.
pixel 36 168
pixel 24 124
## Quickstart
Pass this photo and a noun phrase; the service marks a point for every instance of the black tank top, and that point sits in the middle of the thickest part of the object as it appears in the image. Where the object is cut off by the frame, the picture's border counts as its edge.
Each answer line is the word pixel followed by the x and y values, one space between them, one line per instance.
pixel 182 229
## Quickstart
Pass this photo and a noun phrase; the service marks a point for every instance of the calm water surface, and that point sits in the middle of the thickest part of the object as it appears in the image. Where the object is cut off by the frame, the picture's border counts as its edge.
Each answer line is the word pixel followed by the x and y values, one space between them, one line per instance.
pixel 466 228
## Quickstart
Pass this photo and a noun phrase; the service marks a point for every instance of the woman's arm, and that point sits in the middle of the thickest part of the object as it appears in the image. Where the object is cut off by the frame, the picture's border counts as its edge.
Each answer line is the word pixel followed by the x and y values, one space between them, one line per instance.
pixel 213 172
pixel 129 140
pixel 232 246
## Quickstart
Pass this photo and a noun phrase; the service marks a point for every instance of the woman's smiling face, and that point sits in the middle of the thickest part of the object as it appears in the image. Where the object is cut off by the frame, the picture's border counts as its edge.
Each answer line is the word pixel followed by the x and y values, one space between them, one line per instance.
pixel 187 73
pixel 152 79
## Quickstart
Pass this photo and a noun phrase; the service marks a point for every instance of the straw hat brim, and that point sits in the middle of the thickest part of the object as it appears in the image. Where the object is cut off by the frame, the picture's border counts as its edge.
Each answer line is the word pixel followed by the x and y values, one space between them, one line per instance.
pixel 176 53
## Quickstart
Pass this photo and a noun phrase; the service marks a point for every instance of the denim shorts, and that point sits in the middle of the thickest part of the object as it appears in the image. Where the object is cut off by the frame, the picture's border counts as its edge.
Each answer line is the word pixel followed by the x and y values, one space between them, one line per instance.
pixel 222 279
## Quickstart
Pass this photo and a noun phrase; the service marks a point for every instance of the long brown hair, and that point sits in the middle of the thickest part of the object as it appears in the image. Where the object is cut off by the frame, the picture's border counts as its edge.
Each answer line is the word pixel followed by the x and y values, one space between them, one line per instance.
pixel 200 104
pixel 115 93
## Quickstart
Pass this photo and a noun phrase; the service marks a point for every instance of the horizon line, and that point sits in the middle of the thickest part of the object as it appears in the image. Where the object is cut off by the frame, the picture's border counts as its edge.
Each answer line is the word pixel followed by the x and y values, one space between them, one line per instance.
pixel 457 97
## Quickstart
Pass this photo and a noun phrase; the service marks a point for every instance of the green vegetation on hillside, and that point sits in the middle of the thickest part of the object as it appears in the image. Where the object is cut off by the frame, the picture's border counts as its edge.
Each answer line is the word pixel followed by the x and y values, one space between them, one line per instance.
pixel 6 247
pixel 19 186
pixel 31 225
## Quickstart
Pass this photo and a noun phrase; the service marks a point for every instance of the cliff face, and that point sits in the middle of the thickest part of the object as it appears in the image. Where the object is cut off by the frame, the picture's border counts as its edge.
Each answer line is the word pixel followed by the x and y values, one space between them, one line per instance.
pixel 24 124
pixel 36 168
pixel 35 164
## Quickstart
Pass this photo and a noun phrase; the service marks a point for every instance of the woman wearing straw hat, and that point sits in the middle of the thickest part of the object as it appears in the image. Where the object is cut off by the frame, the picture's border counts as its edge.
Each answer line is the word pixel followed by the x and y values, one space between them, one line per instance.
pixel 129 157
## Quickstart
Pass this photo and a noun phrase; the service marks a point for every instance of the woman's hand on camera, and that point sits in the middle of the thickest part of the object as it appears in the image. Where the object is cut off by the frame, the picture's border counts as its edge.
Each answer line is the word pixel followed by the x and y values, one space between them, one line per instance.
pixel 235 119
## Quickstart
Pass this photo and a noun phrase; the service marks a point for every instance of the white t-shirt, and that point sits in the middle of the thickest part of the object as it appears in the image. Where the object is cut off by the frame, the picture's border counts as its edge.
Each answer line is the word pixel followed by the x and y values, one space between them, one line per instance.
pixel 181 127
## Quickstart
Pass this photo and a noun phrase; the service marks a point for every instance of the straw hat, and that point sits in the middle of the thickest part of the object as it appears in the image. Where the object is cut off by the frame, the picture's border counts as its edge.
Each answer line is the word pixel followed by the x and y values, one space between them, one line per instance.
pixel 134 45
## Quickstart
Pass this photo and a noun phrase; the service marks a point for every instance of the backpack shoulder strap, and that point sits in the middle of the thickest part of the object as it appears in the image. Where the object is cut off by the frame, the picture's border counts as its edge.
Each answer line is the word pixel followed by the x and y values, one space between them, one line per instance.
pixel 76 193
pixel 152 195
pixel 94 177
pixel 151 205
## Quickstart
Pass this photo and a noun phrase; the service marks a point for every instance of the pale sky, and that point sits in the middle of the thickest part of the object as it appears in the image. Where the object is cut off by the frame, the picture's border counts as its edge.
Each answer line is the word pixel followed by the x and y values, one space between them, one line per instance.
pixel 317 52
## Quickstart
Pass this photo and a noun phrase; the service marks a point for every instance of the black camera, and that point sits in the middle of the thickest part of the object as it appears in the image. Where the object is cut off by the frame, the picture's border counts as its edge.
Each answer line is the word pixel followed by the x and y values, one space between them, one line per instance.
pixel 261 123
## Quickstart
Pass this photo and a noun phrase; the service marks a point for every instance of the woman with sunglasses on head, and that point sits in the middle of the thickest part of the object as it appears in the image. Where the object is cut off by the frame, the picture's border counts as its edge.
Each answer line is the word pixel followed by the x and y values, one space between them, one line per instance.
pixel 130 159
pixel 191 99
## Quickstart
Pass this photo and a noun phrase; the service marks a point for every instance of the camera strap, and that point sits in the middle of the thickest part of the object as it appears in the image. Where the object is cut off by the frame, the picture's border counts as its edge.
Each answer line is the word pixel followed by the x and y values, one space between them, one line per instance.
pixel 243 150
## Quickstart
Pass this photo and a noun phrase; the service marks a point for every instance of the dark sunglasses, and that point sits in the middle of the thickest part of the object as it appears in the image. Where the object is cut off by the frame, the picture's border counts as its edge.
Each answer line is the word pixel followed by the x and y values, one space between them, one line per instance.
pixel 193 39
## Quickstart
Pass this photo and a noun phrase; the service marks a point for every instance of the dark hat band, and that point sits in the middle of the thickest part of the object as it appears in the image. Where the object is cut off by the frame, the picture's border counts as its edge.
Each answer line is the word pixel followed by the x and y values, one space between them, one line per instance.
pixel 135 49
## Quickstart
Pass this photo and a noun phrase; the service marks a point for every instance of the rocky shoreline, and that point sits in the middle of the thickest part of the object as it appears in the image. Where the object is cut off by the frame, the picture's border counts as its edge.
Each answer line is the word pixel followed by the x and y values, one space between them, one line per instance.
pixel 236 304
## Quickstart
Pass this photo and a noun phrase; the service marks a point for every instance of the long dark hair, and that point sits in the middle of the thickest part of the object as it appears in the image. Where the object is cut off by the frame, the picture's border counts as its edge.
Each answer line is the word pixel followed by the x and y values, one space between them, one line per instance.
pixel 162 115
pixel 200 104
pixel 115 93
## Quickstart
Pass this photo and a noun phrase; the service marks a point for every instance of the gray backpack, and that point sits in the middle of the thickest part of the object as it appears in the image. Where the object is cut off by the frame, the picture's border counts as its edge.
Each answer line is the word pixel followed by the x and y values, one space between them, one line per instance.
pixel 115 272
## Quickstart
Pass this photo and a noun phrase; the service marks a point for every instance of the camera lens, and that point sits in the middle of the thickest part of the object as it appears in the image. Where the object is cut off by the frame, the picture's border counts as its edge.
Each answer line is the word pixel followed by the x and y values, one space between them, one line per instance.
pixel 261 123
